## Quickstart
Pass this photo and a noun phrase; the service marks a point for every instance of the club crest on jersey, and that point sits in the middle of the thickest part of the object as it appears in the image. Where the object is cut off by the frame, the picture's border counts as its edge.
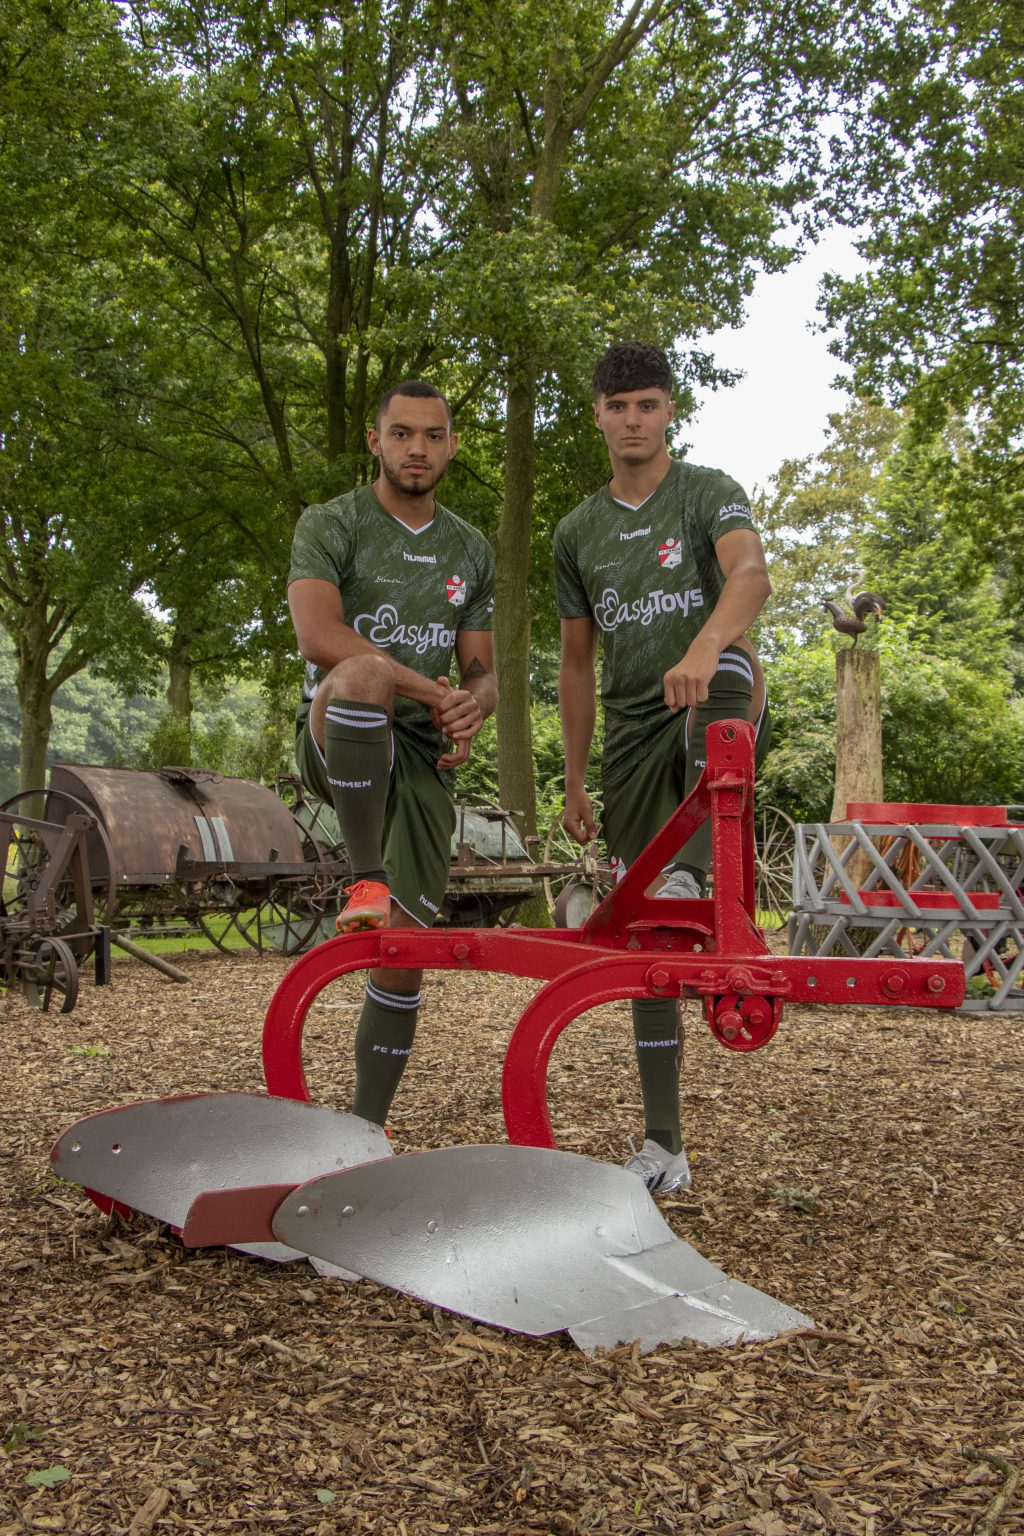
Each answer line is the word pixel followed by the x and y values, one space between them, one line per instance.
pixel 670 553
pixel 456 590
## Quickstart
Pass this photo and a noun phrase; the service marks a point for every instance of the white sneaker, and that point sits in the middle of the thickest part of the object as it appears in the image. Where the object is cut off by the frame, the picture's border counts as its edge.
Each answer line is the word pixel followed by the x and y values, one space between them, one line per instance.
pixel 660 1170
pixel 680 886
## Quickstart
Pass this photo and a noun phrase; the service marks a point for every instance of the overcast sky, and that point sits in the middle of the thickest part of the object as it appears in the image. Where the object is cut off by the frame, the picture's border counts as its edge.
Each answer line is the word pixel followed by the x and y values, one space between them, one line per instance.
pixel 780 409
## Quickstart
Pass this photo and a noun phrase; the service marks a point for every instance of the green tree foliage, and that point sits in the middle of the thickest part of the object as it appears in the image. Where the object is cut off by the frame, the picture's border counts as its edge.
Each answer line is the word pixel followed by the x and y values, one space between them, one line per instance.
pixel 930 164
pixel 281 203
pixel 68 348
pixel 246 730
pixel 951 734
pixel 876 511
pixel 914 550
pixel 814 515
pixel 614 171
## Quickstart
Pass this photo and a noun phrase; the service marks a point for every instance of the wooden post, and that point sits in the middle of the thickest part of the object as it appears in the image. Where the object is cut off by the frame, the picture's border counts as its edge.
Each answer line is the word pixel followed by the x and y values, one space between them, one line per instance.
pixel 858 729
pixel 858 742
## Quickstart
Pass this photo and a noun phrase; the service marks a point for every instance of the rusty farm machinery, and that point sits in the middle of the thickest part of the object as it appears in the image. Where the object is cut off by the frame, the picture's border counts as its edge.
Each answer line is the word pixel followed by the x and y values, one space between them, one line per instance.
pixel 109 856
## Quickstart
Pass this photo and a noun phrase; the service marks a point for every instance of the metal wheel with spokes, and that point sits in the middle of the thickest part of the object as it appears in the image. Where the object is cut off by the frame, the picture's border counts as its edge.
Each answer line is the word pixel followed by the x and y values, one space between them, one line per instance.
pixel 28 858
pixel 775 843
pixel 585 868
pixel 48 972
pixel 286 919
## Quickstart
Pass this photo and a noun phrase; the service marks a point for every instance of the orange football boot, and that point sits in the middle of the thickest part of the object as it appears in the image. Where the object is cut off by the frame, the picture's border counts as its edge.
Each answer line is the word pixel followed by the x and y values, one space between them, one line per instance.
pixel 368 906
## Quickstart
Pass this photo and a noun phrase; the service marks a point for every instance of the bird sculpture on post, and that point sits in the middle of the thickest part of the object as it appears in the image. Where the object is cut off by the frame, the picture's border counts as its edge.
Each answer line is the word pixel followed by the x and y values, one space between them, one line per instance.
pixel 855 623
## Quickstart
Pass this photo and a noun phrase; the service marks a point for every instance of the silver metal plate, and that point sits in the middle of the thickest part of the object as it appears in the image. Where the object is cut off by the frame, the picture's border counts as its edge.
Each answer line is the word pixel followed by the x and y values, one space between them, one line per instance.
pixel 523 1238
pixel 158 1155
pixel 720 1314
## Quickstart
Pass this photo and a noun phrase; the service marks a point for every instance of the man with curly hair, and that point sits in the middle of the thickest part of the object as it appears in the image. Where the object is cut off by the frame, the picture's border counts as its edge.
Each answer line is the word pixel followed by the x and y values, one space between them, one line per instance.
pixel 664 568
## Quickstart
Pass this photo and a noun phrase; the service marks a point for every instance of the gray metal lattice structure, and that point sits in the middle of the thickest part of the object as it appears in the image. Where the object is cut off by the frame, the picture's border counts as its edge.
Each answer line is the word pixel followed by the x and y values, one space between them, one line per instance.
pixel 917 887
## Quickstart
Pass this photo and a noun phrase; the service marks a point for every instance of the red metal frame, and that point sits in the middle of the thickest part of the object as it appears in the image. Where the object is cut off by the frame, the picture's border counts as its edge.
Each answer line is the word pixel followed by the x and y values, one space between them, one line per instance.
pixel 631 946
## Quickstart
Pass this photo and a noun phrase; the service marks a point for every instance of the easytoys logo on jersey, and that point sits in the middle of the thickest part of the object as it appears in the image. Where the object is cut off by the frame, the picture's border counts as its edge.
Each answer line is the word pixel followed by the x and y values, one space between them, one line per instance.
pixel 611 611
pixel 383 628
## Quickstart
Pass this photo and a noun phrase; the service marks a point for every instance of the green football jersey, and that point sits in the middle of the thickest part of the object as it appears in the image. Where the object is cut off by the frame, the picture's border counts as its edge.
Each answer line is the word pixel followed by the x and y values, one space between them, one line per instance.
pixel 408 592
pixel 649 578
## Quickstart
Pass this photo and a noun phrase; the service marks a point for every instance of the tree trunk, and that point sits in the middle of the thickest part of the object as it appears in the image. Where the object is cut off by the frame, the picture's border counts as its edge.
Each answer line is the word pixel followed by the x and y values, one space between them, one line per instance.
pixel 179 683
pixel 34 700
pixel 858 729
pixel 34 739
pixel 512 605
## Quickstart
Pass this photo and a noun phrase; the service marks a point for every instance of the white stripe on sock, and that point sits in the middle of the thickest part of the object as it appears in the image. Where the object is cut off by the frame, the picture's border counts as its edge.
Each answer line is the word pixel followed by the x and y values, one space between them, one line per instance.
pixel 744 672
pixel 400 1000
pixel 361 718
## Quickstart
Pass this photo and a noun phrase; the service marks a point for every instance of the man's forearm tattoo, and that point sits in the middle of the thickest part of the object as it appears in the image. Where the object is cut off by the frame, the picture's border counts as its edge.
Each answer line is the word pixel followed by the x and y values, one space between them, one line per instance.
pixel 476 668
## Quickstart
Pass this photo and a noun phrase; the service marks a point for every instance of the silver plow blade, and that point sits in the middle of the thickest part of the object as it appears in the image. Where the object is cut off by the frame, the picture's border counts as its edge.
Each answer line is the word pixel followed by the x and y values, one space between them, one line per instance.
pixel 720 1313
pixel 527 1239
pixel 160 1155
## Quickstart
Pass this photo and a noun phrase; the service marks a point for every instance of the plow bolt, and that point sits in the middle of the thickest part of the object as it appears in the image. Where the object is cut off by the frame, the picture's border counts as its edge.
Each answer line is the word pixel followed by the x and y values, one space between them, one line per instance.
pixel 935 984
pixel 460 951
pixel 894 983
pixel 658 978
pixel 729 1024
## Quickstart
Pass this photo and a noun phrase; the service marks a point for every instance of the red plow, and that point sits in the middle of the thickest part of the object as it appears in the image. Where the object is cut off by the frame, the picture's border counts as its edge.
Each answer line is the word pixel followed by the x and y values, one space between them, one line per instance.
pixel 632 946
pixel 522 1236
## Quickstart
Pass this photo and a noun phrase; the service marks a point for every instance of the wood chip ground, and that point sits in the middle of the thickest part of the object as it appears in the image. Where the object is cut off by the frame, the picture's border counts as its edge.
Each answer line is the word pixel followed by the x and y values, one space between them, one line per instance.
pixel 865 1167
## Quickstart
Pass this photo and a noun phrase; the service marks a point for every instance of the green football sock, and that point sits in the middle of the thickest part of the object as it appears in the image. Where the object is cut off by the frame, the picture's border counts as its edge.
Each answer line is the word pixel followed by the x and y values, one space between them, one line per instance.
pixel 357 750
pixel 658 1034
pixel 387 1029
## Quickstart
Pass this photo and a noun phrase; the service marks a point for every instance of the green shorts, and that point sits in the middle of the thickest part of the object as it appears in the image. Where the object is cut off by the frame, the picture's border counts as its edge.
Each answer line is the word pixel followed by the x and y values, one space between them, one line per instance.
pixel 418 822
pixel 638 804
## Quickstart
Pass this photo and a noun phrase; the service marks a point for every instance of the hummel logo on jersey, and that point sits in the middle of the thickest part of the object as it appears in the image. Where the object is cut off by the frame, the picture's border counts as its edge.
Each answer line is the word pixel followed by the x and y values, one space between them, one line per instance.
pixel 419 559
pixel 637 533
pixel 457 590
pixel 611 611
pixel 670 553
pixel 383 628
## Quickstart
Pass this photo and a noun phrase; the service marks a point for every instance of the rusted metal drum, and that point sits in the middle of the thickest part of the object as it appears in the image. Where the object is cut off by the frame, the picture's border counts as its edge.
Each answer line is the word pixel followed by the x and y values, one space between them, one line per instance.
pixel 158 824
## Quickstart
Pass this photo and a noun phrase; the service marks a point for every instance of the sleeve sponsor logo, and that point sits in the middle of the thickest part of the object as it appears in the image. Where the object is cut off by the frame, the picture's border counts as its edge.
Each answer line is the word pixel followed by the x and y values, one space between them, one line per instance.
pixel 670 553
pixel 456 587
pixel 735 509
pixel 611 611
pixel 384 629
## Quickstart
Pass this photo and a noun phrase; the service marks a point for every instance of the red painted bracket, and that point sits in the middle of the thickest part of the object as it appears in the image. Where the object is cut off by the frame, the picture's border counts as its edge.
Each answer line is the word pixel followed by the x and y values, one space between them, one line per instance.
pixel 632 946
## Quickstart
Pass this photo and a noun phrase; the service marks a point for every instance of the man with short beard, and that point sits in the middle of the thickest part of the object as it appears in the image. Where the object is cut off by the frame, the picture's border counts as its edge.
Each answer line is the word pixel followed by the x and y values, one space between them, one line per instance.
pixel 386 586
pixel 664 567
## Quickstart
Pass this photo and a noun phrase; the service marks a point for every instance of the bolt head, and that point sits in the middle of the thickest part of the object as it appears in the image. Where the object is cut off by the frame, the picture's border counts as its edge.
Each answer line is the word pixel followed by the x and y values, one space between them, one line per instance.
pixel 728 1024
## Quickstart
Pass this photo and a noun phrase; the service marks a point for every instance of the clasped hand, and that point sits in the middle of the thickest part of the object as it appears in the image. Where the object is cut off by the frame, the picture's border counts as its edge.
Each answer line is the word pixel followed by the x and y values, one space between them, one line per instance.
pixel 457 715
